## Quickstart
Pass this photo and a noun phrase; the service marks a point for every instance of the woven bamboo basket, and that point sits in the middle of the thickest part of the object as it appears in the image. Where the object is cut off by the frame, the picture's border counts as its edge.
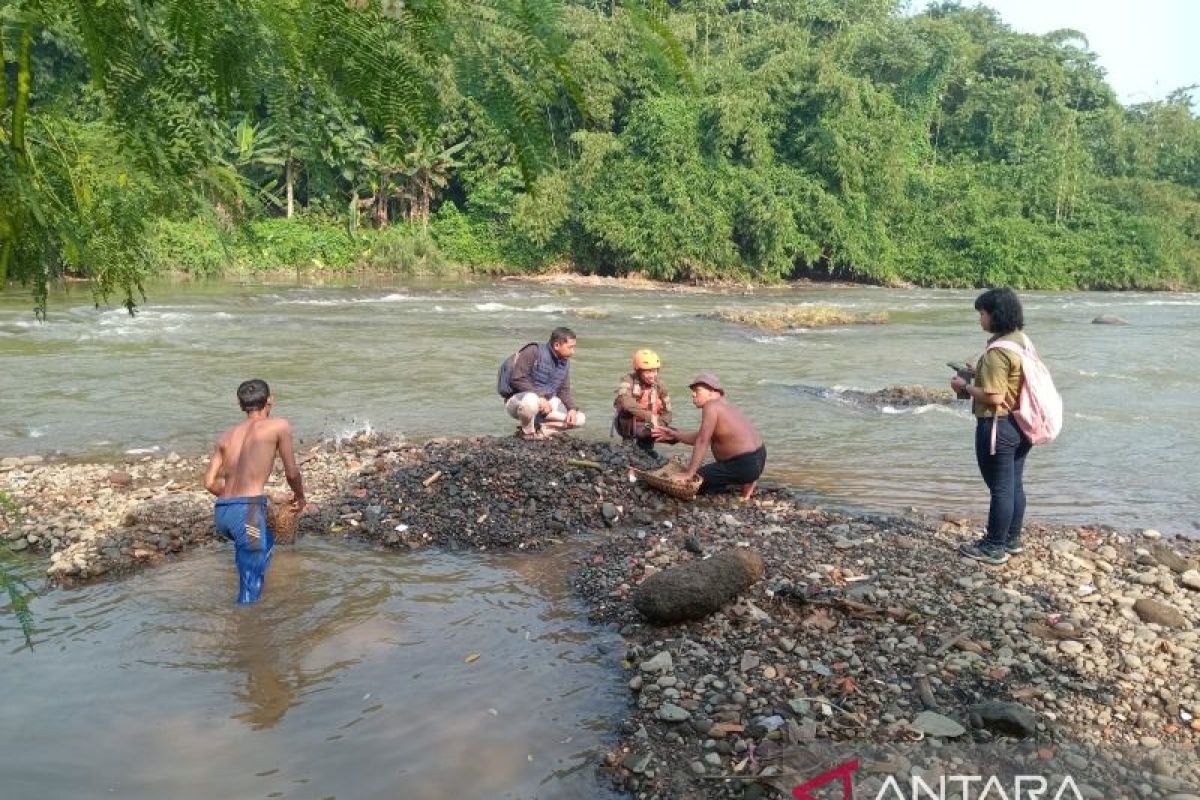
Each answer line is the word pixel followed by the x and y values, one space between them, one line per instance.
pixel 282 521
pixel 666 480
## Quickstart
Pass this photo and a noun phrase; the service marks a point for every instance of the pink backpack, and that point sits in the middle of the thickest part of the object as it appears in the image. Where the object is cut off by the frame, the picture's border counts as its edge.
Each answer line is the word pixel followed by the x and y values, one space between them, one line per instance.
pixel 1039 410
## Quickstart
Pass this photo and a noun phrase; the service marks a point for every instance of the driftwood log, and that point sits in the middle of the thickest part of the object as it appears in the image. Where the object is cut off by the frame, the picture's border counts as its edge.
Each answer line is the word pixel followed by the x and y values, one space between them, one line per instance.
pixel 698 588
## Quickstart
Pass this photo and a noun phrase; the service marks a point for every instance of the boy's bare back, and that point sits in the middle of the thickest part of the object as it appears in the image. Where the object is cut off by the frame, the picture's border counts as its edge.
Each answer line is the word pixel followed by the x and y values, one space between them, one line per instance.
pixel 245 455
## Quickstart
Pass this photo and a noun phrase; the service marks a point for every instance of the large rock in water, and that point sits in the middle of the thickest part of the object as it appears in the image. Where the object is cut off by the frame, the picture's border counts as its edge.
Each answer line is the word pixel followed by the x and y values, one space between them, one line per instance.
pixel 174 513
pixel 907 395
pixel 1109 319
pixel 697 588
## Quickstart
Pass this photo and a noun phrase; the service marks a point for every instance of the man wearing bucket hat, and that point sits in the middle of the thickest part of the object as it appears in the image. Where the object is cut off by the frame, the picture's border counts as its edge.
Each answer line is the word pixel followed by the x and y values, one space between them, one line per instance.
pixel 738 449
pixel 642 401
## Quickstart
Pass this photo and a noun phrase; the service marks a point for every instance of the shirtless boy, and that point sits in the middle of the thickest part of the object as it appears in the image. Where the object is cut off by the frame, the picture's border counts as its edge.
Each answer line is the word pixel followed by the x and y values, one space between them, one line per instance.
pixel 240 467
pixel 738 449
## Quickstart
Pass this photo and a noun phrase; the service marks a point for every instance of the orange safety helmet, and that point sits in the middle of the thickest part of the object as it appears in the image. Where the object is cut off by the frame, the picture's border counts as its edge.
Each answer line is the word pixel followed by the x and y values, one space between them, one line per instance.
pixel 646 359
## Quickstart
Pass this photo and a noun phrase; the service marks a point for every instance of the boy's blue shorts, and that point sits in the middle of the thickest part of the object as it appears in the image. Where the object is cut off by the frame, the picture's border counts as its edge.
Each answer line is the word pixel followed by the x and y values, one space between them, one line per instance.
pixel 243 520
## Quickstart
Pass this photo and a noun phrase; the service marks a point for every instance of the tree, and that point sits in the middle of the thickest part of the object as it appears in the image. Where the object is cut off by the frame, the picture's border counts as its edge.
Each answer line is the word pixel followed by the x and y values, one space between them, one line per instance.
pixel 163 72
pixel 426 170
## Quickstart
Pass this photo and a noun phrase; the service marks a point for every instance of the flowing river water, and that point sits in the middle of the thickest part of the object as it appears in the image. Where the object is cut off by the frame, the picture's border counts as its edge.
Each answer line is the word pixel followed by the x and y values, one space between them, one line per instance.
pixel 350 679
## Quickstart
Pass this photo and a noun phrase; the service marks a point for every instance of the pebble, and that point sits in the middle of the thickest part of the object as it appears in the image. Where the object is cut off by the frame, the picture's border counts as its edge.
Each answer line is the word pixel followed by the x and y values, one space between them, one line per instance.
pixel 662 662
pixel 1191 579
pixel 638 762
pixel 669 712
pixel 1159 613
pixel 933 724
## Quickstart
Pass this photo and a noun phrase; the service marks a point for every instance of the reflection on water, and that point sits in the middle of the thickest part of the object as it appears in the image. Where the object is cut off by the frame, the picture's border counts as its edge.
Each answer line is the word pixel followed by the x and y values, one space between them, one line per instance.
pixel 348 679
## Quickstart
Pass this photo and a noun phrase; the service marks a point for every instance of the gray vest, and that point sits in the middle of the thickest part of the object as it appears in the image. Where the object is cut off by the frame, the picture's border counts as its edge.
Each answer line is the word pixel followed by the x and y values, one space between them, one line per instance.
pixel 549 371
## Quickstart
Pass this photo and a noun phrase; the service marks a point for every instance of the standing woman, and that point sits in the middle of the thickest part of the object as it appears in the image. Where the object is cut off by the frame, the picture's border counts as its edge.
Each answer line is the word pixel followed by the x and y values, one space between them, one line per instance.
pixel 1000 446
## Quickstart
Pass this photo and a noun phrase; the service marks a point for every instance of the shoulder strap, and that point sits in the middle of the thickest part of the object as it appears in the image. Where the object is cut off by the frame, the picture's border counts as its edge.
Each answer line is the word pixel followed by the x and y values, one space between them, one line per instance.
pixel 1011 347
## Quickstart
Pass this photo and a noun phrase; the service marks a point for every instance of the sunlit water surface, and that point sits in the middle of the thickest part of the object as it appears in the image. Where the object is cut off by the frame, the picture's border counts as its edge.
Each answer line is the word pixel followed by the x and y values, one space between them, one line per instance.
pixel 361 674
pixel 421 359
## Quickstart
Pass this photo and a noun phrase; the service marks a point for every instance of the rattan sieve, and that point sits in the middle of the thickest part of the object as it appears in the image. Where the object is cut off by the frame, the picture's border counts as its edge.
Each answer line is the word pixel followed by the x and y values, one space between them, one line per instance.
pixel 282 521
pixel 666 480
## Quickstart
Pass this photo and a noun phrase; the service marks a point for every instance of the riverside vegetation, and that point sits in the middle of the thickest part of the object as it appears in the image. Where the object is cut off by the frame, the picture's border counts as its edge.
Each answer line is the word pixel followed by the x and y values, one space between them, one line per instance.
pixel 12 587
pixel 691 140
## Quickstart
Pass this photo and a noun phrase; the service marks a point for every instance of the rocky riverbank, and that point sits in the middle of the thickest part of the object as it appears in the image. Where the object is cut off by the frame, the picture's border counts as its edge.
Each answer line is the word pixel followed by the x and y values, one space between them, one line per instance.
pixel 869 634
pixel 866 635
pixel 94 519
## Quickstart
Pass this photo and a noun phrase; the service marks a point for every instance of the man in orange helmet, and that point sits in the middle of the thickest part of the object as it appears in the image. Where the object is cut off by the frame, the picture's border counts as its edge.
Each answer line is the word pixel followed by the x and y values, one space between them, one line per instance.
pixel 642 401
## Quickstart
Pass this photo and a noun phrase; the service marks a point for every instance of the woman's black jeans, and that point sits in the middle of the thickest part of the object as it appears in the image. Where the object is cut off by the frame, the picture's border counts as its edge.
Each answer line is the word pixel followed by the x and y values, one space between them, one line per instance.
pixel 1002 473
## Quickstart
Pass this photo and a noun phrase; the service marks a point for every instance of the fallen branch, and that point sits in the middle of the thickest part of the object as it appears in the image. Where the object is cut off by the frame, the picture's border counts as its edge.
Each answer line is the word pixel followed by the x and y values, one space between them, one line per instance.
pixel 583 462
pixel 429 481
pixel 856 609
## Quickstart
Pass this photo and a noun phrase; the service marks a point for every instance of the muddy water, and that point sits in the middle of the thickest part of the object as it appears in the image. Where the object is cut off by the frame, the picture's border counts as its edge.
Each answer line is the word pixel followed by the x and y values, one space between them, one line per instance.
pixel 350 680
pixel 422 360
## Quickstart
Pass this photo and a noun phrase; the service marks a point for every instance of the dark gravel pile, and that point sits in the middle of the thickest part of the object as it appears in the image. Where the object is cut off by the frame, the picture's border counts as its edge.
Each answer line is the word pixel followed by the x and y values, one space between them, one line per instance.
pixel 906 396
pixel 498 492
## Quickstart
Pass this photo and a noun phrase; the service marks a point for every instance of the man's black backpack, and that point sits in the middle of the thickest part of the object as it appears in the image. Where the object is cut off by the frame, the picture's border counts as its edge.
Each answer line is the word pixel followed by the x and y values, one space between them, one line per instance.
pixel 503 388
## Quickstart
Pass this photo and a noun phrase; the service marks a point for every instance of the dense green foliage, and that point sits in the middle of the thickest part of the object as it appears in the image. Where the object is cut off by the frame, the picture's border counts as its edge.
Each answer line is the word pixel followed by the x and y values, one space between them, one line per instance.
pixel 121 120
pixel 696 140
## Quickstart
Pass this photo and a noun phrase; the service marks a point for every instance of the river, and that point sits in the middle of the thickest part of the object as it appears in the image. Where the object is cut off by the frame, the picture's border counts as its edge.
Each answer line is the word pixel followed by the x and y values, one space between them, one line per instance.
pixel 422 359
pixel 356 676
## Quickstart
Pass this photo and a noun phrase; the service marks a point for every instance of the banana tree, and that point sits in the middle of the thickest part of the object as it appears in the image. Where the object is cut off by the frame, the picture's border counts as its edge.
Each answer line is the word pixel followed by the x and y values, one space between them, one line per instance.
pixel 255 148
pixel 426 169
pixel 385 161
pixel 341 164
